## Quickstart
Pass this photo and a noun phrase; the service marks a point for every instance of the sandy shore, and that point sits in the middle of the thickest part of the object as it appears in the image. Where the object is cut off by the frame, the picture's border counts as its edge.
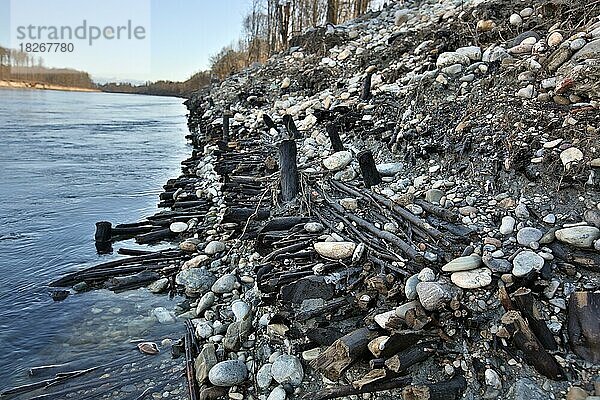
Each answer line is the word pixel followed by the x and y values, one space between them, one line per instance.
pixel 42 86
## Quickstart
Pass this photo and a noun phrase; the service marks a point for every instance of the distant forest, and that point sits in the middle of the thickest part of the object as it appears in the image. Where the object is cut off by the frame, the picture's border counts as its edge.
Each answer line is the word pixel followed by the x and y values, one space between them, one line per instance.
pixel 268 28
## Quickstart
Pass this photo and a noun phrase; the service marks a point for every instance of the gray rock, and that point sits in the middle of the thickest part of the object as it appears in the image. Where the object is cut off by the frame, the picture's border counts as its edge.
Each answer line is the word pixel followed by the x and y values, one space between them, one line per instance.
pixel 240 309
pixel 197 281
pixel 287 369
pixel 521 211
pixel 178 227
pixel 204 330
pixel 498 265
pixel 473 52
pixel 264 377
pixel 449 58
pixel 525 262
pixel 410 287
pixel 433 295
pixel 205 302
pixel 390 169
pixel 570 156
pixel 228 373
pixel 426 275
pixel 205 361
pixel 528 235
pixel 337 160
pixel 163 315
pixel 578 236
pixel 508 225
pixel 277 394
pixel 434 196
pixel 313 227
pixel 526 389
pixel 224 284
pixel 492 379
pixel 592 217
pixel 463 263
pixel 472 279
pixel 214 247
pixel 159 286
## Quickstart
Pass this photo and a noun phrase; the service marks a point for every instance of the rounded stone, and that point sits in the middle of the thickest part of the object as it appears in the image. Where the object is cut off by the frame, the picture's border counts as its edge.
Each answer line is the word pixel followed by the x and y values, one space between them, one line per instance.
pixel 240 309
pixel 410 287
pixel 277 394
pixel 264 377
pixel 516 20
pixel 313 227
pixel 528 235
pixel 572 155
pixel 287 369
pixel 578 236
pixel 555 39
pixel 433 295
pixel 224 284
pixel 463 263
pixel 335 250
pixel 508 225
pixel 205 302
pixel 525 262
pixel 426 275
pixel 178 227
pixel 472 279
pixel 197 281
pixel 228 373
pixel 214 247
pixel 337 160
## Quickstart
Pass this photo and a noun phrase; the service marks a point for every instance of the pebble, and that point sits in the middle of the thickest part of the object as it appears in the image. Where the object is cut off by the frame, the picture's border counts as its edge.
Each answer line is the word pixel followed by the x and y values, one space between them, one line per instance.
pixel 508 225
pixel 492 379
pixel 549 219
pixel 228 373
pixel 224 284
pixel 516 20
pixel 434 196
pixel 571 156
pixel 240 309
pixel 197 281
pixel 410 287
pixel 498 265
pixel 450 58
pixel 287 369
pixel 555 39
pixel 433 295
pixel 526 236
pixel 578 236
pixel 214 247
pixel 577 44
pixel 349 203
pixel 463 264
pixel 390 169
pixel 426 275
pixel 264 377
pixel 158 286
pixel 313 227
pixel 178 227
pixel 277 394
pixel 335 250
pixel 473 279
pixel 337 160
pixel 205 302
pixel 525 262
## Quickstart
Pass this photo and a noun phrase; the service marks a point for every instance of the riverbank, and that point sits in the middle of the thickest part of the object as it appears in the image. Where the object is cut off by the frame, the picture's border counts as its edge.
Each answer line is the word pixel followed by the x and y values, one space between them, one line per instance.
pixel 41 86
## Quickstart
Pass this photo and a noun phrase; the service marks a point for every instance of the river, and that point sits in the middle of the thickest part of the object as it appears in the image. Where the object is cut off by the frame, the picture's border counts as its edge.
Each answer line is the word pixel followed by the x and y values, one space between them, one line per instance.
pixel 67 161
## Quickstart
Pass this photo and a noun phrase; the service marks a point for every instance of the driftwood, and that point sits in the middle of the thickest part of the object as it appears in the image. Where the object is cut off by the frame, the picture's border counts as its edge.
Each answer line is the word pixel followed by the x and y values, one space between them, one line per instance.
pixel 403 360
pixel 226 117
pixel 530 309
pixel 103 232
pixel 189 361
pixel 288 121
pixel 343 352
pixel 269 122
pixel 155 236
pixel 59 378
pixel 132 281
pixel 349 390
pixel 581 258
pixel 447 390
pixel 366 88
pixel 334 137
pixel 533 351
pixel 584 325
pixel 436 210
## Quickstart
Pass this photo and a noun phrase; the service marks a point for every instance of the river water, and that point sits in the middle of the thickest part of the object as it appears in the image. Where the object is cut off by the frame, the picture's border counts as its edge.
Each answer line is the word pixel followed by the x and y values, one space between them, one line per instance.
pixel 67 161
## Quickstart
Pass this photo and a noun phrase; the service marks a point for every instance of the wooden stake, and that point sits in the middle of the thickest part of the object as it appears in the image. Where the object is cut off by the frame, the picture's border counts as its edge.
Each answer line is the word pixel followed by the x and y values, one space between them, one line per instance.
pixel 288 170
pixel 226 117
pixel 366 89
pixel 291 127
pixel 369 171
pixel 334 136
pixel 103 232
pixel 530 309
pixel 584 325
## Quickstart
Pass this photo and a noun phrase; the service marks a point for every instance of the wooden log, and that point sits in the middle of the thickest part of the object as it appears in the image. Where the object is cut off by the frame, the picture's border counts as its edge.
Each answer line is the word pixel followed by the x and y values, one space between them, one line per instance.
pixel 349 390
pixel 103 232
pixel 131 231
pixel 343 352
pixel 366 88
pixel 530 309
pixel 368 168
pixel 401 361
pixel 533 351
pixel 436 210
pixel 586 259
pixel 447 390
pixel 288 170
pixel 233 214
pixel 334 137
pixel 269 122
pixel 293 131
pixel 131 281
pixel 283 223
pixel 584 325
pixel 156 235
pixel 371 377
pixel 192 386
pixel 400 341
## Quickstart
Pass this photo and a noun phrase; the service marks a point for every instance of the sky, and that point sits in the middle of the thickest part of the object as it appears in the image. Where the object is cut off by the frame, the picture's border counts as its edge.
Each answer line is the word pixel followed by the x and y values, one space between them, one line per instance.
pixel 179 35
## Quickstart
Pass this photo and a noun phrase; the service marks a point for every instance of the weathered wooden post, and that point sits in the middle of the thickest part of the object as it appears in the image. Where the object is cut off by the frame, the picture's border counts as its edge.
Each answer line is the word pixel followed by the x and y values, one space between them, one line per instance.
pixel 366 89
pixel 334 137
pixel 368 168
pixel 288 170
pixel 291 126
pixel 269 122
pixel 226 117
pixel 103 237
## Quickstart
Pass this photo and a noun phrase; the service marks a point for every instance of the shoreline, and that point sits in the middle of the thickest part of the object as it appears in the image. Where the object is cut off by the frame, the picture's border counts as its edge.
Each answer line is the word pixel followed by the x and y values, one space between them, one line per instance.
pixel 43 86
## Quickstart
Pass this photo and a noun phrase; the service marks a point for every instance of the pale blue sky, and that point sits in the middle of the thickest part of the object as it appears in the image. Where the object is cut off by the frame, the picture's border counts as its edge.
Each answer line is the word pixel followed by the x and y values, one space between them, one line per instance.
pixel 183 35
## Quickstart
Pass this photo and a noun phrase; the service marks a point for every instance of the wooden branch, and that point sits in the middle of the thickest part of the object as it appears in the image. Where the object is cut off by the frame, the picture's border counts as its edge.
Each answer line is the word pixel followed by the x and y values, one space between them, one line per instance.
pixel 269 122
pixel 189 362
pixel 288 121
pixel 403 360
pixel 530 309
pixel 438 211
pixel 343 391
pixel 447 390
pixel 343 352
pixel 366 89
pixel 584 325
pixel 533 351
pixel 368 168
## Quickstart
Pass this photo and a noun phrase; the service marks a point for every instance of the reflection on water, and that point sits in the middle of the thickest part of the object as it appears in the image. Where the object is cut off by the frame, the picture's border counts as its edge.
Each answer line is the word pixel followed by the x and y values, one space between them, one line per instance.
pixel 69 160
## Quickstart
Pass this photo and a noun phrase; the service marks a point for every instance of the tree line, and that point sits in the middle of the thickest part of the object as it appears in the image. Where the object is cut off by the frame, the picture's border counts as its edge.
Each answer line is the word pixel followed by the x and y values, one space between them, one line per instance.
pixel 162 88
pixel 270 24
pixel 16 65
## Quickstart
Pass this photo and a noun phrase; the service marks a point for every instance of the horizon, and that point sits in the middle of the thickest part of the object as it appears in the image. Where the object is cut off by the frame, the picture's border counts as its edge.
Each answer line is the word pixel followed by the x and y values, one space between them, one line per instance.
pixel 182 36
